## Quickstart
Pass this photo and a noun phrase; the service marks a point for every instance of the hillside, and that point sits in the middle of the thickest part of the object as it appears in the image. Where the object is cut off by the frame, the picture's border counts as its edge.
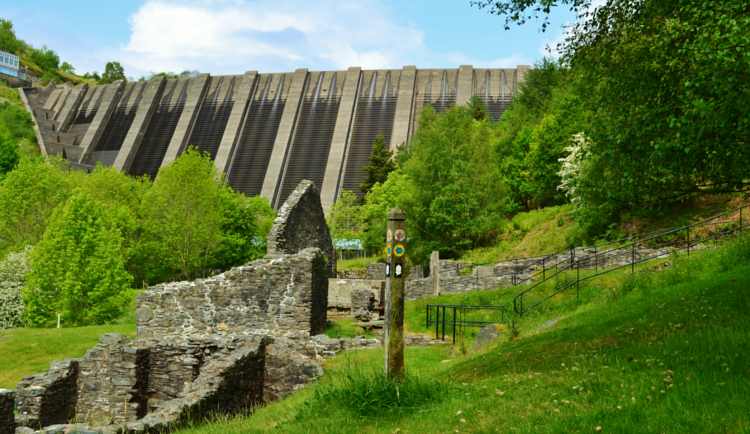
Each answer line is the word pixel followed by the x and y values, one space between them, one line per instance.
pixel 653 352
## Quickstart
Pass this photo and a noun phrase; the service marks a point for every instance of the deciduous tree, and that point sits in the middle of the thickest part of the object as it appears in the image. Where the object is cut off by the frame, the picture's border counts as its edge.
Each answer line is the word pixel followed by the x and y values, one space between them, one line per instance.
pixel 78 268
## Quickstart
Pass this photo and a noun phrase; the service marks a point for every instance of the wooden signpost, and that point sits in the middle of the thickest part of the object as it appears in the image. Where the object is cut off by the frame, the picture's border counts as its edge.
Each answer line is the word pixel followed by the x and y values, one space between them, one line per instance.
pixel 395 271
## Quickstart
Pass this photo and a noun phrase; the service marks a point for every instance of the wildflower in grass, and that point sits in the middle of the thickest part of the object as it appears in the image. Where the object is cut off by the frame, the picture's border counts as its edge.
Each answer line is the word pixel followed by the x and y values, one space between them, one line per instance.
pixel 458 413
pixel 633 399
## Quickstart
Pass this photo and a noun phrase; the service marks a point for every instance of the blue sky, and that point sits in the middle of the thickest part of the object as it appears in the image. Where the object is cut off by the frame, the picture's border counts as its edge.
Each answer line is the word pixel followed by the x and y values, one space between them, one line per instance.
pixel 234 36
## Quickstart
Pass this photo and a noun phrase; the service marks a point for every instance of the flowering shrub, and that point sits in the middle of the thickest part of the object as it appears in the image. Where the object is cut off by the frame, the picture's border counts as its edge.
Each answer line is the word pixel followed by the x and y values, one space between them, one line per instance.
pixel 12 272
pixel 570 172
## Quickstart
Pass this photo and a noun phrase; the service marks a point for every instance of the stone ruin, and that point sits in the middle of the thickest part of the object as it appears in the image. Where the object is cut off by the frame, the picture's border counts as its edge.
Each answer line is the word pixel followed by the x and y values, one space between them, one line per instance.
pixel 297 228
pixel 216 345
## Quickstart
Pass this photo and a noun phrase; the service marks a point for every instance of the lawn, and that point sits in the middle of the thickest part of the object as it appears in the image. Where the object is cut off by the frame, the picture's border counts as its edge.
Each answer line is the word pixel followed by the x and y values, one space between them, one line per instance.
pixel 27 351
pixel 652 352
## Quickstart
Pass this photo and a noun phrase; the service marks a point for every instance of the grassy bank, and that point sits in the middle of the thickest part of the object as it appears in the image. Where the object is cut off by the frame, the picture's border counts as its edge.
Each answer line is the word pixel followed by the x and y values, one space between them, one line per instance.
pixel 655 352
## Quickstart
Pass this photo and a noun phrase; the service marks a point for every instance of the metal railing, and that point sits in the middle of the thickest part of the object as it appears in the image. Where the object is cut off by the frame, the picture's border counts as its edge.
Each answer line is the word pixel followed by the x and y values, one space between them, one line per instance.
pixel 542 260
pixel 458 319
pixel 679 243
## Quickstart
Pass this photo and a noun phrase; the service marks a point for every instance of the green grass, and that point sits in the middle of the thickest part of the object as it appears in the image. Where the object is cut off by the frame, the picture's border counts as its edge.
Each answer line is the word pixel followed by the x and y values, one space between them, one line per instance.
pixel 345 328
pixel 28 351
pixel 650 352
pixel 527 234
pixel 355 263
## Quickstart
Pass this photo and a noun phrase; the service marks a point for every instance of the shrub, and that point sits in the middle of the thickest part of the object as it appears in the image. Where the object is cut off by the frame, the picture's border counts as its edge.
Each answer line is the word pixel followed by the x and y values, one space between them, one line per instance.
pixel 12 272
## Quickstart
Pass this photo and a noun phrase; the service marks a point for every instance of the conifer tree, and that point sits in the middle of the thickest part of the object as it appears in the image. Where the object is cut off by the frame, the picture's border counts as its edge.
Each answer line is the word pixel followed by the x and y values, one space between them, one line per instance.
pixel 381 164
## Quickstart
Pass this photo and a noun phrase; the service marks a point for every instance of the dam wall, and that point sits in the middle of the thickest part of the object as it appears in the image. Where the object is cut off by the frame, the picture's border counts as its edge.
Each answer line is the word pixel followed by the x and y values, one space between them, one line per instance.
pixel 266 131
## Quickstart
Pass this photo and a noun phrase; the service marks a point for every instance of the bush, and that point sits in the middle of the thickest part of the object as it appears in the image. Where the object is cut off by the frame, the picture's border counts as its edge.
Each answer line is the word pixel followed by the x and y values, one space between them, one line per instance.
pixel 12 280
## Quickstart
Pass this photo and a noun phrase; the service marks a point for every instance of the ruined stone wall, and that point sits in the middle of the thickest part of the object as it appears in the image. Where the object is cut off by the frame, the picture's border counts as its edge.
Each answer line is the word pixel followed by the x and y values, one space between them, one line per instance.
pixel 145 385
pixel 275 296
pixel 7 418
pixel 352 273
pixel 301 224
pixel 376 271
pixel 112 384
pixel 340 293
pixel 49 398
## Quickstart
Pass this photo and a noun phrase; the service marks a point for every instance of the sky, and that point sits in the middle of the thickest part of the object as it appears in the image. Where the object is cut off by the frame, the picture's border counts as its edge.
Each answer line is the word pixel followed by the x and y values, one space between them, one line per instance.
pixel 233 36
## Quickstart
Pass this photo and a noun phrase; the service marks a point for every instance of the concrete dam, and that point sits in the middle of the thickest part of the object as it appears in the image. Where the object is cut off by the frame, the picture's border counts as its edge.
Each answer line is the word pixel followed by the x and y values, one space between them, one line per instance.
pixel 267 132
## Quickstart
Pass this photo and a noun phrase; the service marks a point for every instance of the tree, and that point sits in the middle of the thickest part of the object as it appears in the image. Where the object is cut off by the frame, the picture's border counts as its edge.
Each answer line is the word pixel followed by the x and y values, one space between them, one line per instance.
pixel 28 196
pixel 457 192
pixel 9 156
pixel 381 164
pixel 677 133
pixel 183 214
pixel 47 59
pixel 239 232
pixel 112 71
pixel 121 195
pixel 396 190
pixel 78 268
pixel 67 67
pixel 344 219
pixel 13 272
pixel 8 41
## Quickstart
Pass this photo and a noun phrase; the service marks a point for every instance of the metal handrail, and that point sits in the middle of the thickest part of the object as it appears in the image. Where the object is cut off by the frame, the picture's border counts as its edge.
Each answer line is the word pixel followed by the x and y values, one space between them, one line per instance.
pixel 632 246
pixel 458 320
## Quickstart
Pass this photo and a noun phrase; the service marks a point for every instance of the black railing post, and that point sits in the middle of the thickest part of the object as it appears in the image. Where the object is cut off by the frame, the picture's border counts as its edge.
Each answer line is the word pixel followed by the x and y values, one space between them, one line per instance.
pixel 437 321
pixel 454 325
pixel 443 323
pixel 740 231
pixel 632 260
pixel 543 269
pixel 688 241
pixel 578 280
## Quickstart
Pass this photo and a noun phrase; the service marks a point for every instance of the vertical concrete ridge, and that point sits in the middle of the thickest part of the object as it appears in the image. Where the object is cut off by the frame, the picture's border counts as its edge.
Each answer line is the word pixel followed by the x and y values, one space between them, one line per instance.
pixel 146 108
pixel 521 71
pixel 464 89
pixel 284 136
pixel 70 107
pixel 341 134
pixel 234 124
pixel 57 105
pixel 187 119
pixel 37 133
pixel 404 107
pixel 52 99
pixel 94 133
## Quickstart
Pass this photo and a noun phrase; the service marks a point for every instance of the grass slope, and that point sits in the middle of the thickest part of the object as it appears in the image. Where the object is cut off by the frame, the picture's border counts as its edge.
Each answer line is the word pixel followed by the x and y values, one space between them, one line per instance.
pixel 660 352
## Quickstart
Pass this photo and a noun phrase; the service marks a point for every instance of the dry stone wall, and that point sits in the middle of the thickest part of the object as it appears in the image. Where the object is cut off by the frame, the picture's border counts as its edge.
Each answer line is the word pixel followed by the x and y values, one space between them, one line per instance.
pixel 301 224
pixel 275 296
pixel 49 398
pixel 143 386
pixel 7 418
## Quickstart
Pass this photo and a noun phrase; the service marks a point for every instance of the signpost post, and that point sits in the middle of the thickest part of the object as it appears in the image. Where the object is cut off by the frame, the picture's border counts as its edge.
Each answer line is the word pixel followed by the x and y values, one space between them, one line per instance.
pixel 394 294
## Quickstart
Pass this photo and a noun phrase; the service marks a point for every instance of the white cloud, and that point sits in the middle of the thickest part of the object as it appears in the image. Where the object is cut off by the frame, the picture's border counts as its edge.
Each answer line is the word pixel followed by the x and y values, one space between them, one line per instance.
pixel 230 37
pixel 267 35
